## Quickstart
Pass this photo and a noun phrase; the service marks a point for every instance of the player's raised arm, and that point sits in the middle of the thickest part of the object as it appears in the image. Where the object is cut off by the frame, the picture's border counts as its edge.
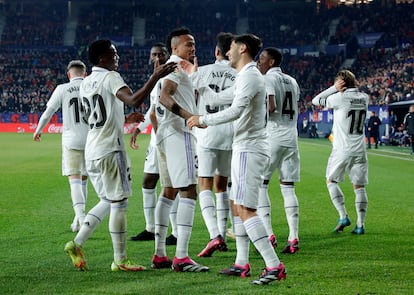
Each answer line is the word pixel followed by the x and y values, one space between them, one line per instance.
pixel 126 95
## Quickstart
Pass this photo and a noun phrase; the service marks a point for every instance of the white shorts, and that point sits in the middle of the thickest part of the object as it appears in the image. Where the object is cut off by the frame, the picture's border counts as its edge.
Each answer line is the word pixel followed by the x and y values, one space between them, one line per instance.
pixel 340 164
pixel 246 174
pixel 151 160
pixel 287 162
pixel 177 160
pixel 110 176
pixel 73 162
pixel 213 161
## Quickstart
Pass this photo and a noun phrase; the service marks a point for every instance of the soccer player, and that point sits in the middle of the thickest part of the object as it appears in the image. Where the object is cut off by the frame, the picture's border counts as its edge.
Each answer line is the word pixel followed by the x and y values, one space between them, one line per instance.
pixel 250 154
pixel 158 56
pixel 283 96
pixel 104 93
pixel 176 157
pixel 214 150
pixel 75 129
pixel 349 153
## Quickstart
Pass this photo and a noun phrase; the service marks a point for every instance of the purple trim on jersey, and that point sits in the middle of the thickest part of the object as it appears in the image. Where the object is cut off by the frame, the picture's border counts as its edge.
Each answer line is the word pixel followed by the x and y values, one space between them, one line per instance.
pixel 241 185
pixel 189 155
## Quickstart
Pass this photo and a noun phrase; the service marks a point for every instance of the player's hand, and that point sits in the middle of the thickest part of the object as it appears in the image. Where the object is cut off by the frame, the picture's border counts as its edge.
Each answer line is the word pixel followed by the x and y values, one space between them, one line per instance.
pixel 134 118
pixel 163 70
pixel 188 67
pixel 194 121
pixel 36 136
pixel 133 141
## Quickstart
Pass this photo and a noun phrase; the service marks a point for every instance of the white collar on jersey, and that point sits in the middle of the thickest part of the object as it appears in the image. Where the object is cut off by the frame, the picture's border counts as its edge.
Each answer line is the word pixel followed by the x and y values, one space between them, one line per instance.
pixel 222 62
pixel 247 66
pixel 274 69
pixel 99 69
pixel 76 78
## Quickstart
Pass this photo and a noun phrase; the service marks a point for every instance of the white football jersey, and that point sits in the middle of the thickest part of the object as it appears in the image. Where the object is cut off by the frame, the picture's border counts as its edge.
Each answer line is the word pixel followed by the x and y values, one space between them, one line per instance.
pixel 248 111
pixel 282 123
pixel 153 100
pixel 75 127
pixel 219 76
pixel 105 112
pixel 168 122
pixel 350 110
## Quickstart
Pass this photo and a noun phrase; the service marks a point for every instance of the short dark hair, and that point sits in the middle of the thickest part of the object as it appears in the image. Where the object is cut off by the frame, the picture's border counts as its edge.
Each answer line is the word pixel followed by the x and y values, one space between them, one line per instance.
pixel 175 33
pixel 160 44
pixel 252 42
pixel 224 42
pixel 97 49
pixel 275 54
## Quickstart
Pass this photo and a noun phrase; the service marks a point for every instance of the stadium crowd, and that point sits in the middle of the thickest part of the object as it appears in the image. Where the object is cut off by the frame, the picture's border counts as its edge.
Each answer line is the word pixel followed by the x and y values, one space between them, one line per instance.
pixel 32 53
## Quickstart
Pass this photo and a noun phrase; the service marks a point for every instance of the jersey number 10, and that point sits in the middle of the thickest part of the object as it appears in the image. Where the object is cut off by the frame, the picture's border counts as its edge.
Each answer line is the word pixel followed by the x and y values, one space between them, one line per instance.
pixel 357 121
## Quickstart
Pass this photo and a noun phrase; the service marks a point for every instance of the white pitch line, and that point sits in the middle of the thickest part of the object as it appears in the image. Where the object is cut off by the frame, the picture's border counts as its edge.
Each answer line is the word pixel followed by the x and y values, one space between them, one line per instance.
pixel 379 153
pixel 392 157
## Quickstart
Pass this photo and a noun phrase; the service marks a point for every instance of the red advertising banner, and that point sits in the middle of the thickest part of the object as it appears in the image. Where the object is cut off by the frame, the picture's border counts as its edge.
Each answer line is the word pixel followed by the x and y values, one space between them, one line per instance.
pixel 53 128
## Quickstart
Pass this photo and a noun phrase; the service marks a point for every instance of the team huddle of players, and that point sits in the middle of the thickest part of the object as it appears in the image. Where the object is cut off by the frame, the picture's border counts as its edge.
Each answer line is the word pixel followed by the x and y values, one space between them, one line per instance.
pixel 226 126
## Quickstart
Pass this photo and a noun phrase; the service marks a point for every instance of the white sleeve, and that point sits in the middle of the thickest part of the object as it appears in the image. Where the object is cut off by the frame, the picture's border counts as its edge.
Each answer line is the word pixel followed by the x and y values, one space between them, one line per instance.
pixel 147 121
pixel 212 98
pixel 52 106
pixel 227 115
pixel 320 99
pixel 44 119
pixel 242 98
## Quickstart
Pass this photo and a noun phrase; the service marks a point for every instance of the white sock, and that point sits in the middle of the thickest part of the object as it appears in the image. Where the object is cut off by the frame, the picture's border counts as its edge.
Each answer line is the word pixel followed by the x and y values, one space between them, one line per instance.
pixel 208 210
pixel 223 208
pixel 85 189
pixel 185 219
pixel 291 205
pixel 230 211
pixel 242 242
pixel 361 205
pixel 231 217
pixel 338 199
pixel 173 215
pixel 162 211
pixel 257 234
pixel 263 208
pixel 149 201
pixel 92 220
pixel 118 228
pixel 78 200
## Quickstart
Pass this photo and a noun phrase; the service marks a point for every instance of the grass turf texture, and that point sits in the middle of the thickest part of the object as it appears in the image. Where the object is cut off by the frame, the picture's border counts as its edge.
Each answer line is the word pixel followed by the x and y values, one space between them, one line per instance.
pixel 36 213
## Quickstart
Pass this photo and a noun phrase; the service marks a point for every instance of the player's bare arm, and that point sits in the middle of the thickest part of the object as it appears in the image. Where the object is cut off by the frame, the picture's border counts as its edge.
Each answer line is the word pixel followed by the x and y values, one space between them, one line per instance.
pixel 133 141
pixel 166 99
pixel 153 118
pixel 134 118
pixel 135 99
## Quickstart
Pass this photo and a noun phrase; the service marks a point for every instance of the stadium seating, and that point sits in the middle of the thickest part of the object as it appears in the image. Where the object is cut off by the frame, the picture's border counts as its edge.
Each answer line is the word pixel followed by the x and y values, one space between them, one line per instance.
pixel 34 51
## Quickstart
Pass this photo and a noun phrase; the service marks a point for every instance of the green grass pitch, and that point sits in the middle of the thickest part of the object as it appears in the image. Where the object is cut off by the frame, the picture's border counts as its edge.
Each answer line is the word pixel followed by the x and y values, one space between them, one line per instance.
pixel 35 214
